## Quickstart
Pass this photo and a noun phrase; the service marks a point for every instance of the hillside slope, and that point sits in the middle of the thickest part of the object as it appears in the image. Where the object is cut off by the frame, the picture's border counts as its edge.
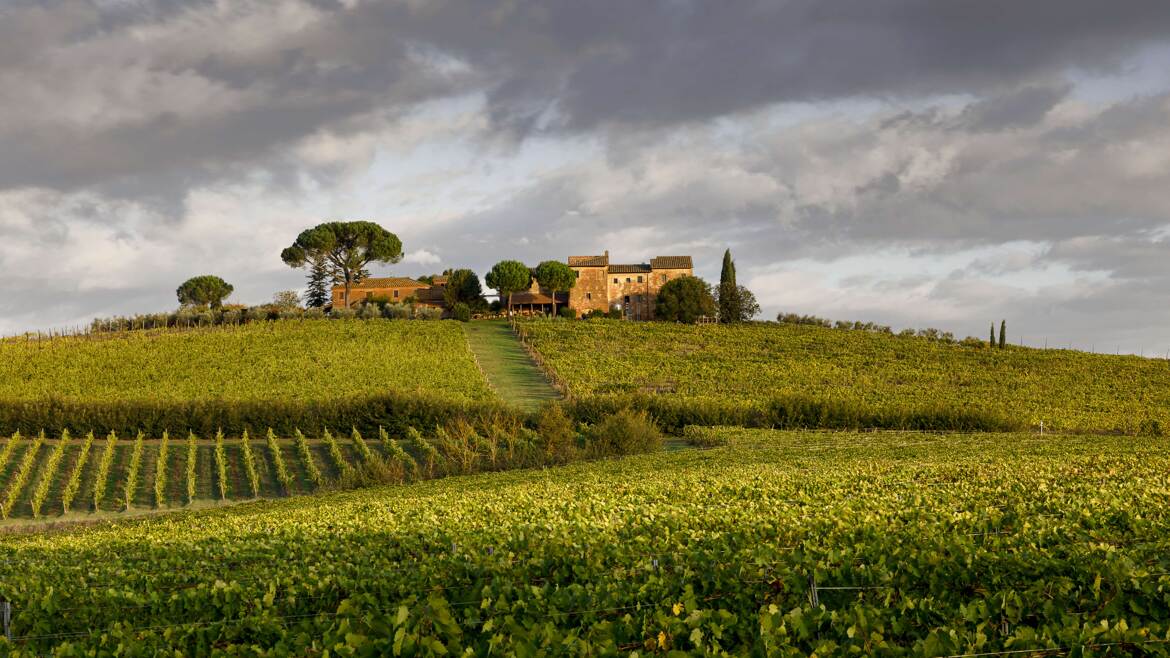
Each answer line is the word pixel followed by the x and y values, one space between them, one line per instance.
pixel 755 362
pixel 781 544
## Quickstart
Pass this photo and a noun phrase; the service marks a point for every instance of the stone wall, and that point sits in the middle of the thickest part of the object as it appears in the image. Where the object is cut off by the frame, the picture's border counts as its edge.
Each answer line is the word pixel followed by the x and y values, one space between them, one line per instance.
pixel 590 293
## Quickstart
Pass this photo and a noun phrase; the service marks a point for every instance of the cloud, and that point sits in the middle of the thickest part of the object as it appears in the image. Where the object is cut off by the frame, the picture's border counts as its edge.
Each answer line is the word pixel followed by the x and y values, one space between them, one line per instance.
pixel 906 160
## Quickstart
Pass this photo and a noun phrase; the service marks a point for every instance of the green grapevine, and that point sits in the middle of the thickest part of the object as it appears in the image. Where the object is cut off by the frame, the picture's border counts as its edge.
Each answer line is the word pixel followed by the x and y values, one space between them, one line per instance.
pixel 101 478
pixel 23 472
pixel 221 466
pixel 73 485
pixel 160 472
pixel 133 472
pixel 250 465
pixel 192 463
pixel 344 470
pixel 47 474
pixel 282 474
pixel 306 455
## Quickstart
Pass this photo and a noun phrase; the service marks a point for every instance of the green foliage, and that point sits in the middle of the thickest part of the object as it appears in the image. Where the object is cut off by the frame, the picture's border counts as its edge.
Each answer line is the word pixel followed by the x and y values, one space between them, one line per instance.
pixel 558 438
pixel 283 375
pixel 192 464
pixel 727 294
pixel 102 477
pixel 73 484
pixel 160 472
pixel 282 474
pixel 625 432
pixel 221 466
pixel 204 291
pixel 133 472
pixel 362 448
pixel 17 481
pixel 401 462
pixel 686 300
pixel 345 249
pixel 48 472
pixel 319 290
pixel 705 437
pixel 567 313
pixel 555 276
pixel 344 469
pixel 307 460
pixel 741 374
pixel 1003 334
pixel 432 461
pixel 461 312
pixel 463 287
pixel 509 276
pixel 249 459
pixel 916 545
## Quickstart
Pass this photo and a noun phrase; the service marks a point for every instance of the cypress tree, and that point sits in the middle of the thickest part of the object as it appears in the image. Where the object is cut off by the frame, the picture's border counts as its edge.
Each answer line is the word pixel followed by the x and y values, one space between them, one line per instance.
pixel 991 341
pixel 729 303
pixel 319 280
pixel 1003 334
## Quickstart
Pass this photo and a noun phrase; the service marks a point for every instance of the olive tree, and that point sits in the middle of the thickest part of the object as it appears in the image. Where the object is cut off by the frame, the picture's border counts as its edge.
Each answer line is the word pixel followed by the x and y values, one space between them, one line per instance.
pixel 206 290
pixel 685 299
pixel 346 248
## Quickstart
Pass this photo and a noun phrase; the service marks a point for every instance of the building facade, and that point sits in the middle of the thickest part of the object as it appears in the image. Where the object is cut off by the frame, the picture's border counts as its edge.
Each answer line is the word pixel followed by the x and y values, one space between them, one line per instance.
pixel 394 289
pixel 631 288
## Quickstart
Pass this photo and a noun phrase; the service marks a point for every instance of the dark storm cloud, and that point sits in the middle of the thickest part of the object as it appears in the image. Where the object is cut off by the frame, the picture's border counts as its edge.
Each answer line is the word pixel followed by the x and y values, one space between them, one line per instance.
pixel 215 83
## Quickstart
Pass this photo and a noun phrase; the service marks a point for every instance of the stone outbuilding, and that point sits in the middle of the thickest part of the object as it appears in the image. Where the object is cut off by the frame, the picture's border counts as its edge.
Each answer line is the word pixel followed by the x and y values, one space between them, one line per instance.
pixel 630 288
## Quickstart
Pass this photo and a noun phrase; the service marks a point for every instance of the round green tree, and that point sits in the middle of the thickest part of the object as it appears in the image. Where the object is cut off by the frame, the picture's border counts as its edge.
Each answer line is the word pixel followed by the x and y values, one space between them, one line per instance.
pixel 685 299
pixel 346 248
pixel 204 291
pixel 556 277
pixel 507 277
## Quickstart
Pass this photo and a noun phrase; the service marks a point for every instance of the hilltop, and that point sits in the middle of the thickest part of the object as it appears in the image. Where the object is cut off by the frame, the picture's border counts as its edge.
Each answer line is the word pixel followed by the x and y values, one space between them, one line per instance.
pixel 748 365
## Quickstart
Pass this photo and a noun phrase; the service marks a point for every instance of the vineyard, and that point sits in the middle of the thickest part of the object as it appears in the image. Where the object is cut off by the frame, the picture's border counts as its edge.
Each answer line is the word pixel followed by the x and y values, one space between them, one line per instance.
pixel 779 544
pixel 283 375
pixel 752 364
pixel 75 478
pixel 288 360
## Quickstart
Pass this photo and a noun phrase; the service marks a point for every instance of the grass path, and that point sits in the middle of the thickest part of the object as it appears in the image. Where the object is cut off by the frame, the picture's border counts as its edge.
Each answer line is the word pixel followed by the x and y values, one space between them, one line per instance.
pixel 510 370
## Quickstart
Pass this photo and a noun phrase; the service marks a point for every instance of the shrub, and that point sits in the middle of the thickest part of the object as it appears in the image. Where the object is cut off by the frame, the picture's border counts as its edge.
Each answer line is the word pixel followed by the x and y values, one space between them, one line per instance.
pixel 427 313
pixel 314 313
pixel 567 313
pixel 703 437
pixel 396 312
pixel 369 312
pixel 461 312
pixel 557 437
pixel 342 314
pixel 626 432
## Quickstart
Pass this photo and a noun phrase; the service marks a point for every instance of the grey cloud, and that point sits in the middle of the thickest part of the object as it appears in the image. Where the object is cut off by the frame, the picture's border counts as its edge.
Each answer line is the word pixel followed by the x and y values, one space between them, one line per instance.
pixel 1022 107
pixel 543 66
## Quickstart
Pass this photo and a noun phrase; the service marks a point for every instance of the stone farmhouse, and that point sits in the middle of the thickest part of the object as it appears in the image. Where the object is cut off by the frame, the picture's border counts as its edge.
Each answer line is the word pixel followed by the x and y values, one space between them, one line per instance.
pixel 393 288
pixel 633 289
pixel 601 286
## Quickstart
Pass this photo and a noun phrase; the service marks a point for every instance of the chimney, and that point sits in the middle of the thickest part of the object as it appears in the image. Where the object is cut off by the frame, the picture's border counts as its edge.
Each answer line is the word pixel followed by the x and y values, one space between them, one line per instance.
pixel 607 254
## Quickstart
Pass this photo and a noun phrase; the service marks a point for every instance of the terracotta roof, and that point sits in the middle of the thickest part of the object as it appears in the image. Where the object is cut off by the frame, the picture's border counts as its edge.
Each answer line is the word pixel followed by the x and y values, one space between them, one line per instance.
pixel 629 269
pixel 588 261
pixel 386 282
pixel 672 263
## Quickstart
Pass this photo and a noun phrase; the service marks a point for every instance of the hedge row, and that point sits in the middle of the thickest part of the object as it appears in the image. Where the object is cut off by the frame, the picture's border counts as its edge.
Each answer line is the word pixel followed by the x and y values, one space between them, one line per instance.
pixel 398 411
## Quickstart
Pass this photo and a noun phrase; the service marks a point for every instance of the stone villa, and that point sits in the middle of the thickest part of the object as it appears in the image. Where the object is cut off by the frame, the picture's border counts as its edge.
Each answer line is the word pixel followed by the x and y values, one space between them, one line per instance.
pixel 601 286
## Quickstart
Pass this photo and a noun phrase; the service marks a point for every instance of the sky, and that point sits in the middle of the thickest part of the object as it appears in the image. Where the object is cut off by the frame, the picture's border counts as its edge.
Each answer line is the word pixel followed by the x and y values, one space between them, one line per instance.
pixel 910 162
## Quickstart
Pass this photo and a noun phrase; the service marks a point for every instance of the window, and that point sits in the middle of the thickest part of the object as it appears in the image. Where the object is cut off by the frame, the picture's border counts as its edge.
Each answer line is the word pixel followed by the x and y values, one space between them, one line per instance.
pixel 577 273
pixel 639 279
pixel 589 295
pixel 627 279
pixel 627 300
pixel 615 279
pixel 395 294
pixel 664 278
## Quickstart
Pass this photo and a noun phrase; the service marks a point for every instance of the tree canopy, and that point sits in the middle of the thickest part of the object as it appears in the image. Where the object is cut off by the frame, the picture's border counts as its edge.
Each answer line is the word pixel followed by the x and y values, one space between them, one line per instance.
pixel 744 307
pixel 509 276
pixel 728 293
pixel 556 277
pixel 463 287
pixel 206 290
pixel 345 248
pixel 685 299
